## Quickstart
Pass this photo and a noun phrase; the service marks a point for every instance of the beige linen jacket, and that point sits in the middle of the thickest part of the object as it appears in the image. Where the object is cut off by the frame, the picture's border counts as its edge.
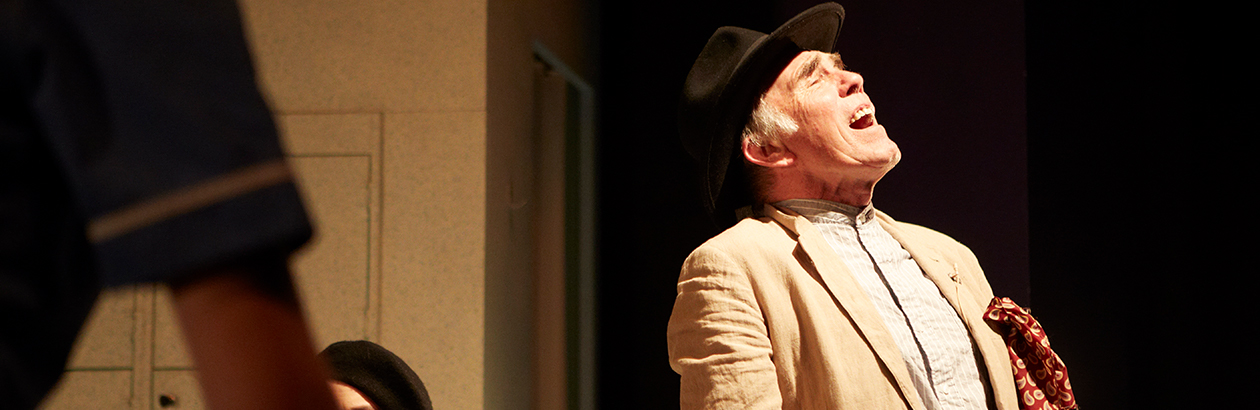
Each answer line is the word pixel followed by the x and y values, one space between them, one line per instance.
pixel 767 316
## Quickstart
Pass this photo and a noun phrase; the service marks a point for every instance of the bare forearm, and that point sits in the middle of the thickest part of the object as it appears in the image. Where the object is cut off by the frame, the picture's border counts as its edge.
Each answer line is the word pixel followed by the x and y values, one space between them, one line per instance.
pixel 252 348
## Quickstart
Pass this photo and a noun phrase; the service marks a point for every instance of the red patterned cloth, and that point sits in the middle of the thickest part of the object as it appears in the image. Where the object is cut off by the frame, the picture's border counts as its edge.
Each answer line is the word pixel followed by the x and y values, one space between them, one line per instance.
pixel 1040 375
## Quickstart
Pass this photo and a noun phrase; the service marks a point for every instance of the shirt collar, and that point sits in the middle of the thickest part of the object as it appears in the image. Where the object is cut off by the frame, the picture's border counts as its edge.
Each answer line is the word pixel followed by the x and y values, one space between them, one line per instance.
pixel 823 211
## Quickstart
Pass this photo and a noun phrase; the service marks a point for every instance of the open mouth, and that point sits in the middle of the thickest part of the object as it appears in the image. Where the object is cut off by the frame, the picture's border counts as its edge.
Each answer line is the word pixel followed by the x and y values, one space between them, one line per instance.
pixel 863 118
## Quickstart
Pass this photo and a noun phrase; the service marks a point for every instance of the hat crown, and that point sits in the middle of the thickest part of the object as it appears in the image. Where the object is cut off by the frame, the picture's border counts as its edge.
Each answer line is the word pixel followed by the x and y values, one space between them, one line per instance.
pixel 708 79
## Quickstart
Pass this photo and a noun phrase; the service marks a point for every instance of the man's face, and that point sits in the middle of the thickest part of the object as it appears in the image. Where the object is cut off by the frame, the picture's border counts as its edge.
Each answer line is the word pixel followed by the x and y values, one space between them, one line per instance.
pixel 838 137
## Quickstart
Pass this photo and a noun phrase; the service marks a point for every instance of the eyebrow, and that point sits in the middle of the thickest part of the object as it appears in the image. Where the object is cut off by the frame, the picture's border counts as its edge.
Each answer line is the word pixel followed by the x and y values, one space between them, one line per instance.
pixel 810 67
pixel 806 70
pixel 835 57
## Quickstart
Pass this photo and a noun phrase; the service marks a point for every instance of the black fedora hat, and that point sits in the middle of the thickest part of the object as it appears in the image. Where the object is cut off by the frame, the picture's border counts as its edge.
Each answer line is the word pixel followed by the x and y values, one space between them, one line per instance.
pixel 735 67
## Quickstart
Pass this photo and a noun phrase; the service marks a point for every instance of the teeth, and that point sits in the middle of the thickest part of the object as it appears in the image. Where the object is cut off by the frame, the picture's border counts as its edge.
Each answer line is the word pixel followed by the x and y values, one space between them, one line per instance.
pixel 865 111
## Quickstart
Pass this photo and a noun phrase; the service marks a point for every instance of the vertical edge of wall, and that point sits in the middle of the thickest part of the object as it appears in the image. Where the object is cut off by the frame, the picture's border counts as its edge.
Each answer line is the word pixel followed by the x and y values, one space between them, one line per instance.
pixel 509 188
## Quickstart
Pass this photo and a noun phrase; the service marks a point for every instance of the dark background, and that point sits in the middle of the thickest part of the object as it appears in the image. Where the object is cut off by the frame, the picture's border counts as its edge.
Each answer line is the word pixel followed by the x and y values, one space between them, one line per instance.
pixel 1079 148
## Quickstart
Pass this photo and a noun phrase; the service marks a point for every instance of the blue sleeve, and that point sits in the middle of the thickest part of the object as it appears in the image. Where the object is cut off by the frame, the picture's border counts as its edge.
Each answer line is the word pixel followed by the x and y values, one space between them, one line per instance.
pixel 169 150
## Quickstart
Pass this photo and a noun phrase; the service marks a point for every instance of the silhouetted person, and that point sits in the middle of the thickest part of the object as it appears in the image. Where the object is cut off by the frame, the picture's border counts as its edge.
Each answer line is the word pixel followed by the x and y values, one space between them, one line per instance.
pixel 134 148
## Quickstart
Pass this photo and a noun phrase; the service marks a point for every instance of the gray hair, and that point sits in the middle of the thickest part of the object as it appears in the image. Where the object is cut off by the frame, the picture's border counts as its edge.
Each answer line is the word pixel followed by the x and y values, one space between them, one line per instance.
pixel 768 124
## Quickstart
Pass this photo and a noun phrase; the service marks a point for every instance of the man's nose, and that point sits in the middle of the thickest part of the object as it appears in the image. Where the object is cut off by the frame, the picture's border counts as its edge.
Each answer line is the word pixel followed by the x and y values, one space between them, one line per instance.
pixel 850 83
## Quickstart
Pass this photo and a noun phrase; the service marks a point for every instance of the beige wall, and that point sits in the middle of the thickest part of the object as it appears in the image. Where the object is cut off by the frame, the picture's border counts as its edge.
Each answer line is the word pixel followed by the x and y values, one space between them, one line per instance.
pixel 412 73
pixel 451 84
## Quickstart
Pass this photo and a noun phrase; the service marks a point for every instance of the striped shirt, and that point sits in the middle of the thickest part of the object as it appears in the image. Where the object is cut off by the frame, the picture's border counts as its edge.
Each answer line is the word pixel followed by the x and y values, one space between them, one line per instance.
pixel 932 338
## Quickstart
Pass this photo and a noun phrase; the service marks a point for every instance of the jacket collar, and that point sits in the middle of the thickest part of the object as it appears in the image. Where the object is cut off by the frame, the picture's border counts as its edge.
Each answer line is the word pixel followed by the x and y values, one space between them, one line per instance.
pixel 937 268
pixel 849 296
pixel 851 299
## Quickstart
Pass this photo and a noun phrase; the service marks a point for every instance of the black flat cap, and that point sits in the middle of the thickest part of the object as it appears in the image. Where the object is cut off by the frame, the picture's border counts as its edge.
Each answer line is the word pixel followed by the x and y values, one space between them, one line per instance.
pixel 736 66
pixel 377 373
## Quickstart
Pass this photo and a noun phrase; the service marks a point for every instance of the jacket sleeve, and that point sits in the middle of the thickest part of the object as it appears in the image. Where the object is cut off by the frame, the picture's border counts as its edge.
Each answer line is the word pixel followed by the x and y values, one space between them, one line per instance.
pixel 718 340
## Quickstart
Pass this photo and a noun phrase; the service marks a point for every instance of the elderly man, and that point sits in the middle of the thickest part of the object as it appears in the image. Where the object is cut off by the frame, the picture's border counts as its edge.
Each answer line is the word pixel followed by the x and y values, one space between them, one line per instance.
pixel 817 301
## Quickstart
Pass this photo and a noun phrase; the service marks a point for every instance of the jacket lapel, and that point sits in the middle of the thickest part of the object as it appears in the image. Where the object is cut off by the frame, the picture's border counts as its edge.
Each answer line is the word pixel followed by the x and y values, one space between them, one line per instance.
pixel 943 273
pixel 852 300
pixel 947 279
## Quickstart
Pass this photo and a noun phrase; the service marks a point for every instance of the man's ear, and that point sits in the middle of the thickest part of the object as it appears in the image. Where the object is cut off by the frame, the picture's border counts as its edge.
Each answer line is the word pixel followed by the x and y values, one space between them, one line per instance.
pixel 770 155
